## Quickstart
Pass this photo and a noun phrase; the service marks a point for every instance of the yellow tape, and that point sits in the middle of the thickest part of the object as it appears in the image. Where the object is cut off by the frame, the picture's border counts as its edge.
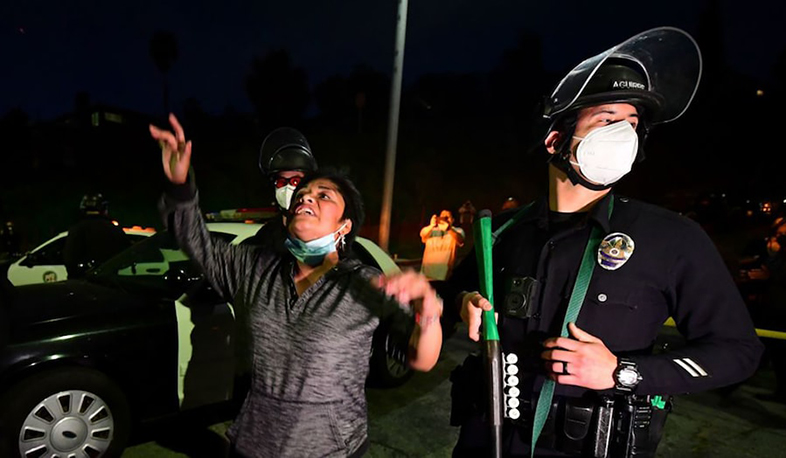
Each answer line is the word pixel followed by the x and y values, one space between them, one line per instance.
pixel 759 332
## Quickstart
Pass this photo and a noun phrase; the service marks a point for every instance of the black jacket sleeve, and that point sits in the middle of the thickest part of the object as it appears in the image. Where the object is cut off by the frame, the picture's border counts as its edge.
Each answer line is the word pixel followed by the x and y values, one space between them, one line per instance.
pixel 721 343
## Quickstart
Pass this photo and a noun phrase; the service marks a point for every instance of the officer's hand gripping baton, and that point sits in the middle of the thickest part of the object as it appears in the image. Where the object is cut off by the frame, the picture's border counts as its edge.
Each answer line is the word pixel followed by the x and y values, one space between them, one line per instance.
pixel 492 351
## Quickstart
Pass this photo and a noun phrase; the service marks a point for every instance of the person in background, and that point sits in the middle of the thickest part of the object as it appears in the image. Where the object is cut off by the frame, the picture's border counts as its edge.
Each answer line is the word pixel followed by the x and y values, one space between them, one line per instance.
pixel 284 159
pixel 11 243
pixel 467 214
pixel 94 238
pixel 510 203
pixel 442 239
pixel 764 278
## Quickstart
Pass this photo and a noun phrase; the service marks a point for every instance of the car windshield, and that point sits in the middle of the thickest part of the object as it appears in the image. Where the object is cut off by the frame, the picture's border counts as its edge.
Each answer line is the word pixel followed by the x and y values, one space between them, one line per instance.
pixel 145 264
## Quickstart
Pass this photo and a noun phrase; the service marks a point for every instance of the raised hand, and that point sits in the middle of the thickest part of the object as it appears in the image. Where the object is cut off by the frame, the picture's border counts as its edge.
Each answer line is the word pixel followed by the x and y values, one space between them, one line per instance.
pixel 175 150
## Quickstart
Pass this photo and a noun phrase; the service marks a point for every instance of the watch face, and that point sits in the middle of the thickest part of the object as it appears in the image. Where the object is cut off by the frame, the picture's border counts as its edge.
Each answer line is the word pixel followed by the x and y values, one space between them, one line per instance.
pixel 628 377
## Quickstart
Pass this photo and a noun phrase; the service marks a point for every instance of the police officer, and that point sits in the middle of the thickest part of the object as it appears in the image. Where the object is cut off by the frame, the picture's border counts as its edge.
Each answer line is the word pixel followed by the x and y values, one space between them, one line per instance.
pixel 643 264
pixel 284 158
pixel 11 244
pixel 94 238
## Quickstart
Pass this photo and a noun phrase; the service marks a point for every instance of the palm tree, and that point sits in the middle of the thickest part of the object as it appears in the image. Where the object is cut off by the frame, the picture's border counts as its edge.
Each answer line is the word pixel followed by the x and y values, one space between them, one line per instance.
pixel 278 89
pixel 163 51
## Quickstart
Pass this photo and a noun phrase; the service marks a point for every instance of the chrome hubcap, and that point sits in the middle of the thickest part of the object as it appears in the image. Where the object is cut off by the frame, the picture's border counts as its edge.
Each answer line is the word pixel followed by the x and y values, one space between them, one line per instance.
pixel 69 424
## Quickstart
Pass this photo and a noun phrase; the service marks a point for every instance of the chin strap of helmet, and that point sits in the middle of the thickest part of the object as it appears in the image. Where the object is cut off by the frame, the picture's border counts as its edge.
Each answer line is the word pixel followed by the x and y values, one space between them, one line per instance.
pixel 561 160
pixel 643 131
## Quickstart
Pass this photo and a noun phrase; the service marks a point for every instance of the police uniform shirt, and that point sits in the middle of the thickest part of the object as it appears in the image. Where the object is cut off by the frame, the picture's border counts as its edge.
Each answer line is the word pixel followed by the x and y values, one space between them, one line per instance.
pixel 674 271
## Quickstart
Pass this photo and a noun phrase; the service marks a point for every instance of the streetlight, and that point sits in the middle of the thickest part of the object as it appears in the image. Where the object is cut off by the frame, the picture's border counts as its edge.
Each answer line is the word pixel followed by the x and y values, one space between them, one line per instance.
pixel 395 102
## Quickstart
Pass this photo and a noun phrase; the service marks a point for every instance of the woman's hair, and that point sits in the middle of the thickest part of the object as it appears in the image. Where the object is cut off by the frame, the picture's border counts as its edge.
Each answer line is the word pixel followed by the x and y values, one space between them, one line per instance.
pixel 353 202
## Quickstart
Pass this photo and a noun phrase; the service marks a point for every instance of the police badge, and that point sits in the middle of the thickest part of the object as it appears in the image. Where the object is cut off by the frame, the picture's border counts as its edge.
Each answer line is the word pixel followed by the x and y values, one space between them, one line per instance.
pixel 615 250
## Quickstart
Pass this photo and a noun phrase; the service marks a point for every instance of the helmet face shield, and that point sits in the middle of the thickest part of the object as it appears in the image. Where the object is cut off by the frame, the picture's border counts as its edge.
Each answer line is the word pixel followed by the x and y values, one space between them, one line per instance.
pixel 668 61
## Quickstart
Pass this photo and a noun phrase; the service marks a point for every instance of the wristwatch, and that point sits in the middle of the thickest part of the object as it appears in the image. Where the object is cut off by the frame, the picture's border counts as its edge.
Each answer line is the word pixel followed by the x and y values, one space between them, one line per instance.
pixel 626 375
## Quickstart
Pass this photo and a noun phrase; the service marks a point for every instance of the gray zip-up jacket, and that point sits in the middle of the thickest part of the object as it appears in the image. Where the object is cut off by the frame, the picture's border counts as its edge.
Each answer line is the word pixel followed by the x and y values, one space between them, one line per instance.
pixel 310 353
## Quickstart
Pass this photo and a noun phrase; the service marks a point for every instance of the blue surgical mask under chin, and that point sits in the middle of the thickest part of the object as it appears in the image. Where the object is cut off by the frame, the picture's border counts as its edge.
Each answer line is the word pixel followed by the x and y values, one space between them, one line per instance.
pixel 312 253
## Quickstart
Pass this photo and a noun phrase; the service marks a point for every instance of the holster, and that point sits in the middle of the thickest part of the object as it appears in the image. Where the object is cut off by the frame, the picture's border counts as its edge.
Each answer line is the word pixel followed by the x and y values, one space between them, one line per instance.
pixel 467 395
pixel 638 426
pixel 613 426
pixel 601 427
pixel 574 424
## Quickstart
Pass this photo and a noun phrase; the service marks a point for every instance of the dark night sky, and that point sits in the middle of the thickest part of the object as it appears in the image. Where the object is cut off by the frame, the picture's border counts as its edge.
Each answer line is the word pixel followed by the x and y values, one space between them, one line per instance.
pixel 52 49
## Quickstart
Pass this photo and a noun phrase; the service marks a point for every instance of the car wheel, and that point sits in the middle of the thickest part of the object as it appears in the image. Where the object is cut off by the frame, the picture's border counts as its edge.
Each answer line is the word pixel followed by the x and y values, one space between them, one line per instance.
pixel 67 413
pixel 386 371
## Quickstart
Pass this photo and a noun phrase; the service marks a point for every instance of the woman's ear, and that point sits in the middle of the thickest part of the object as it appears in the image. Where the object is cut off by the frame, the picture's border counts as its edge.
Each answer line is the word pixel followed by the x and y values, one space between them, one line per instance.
pixel 552 141
pixel 347 228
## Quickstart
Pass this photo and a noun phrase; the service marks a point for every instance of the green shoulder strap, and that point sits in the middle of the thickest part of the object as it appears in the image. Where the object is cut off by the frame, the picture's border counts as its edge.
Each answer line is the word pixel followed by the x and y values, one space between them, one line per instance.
pixel 574 306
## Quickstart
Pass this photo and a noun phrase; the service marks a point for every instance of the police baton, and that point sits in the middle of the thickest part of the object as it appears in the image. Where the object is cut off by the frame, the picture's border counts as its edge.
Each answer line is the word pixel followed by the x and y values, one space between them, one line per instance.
pixel 492 354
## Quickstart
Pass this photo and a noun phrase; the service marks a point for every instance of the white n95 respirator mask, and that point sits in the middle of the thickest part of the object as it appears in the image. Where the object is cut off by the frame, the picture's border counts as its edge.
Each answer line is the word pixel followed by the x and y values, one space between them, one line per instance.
pixel 284 196
pixel 607 153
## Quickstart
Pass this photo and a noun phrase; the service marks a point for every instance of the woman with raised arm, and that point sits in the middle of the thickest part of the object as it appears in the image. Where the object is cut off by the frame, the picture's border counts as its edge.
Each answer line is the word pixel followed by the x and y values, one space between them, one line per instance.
pixel 312 312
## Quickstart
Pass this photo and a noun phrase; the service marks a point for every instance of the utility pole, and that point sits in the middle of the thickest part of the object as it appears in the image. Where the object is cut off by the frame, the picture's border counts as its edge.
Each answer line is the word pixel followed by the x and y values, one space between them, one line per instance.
pixel 395 102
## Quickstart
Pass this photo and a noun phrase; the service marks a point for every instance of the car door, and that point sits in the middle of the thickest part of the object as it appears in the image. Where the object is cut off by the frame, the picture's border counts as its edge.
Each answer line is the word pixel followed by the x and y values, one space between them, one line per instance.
pixel 206 337
pixel 42 265
pixel 201 366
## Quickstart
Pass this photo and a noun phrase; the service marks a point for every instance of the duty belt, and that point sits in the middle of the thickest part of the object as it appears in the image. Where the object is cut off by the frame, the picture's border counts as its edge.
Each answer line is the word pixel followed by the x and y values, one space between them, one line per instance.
pixel 617 426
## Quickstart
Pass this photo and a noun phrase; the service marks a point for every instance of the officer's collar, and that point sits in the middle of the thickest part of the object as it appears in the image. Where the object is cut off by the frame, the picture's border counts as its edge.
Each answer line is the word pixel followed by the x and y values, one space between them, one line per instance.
pixel 599 213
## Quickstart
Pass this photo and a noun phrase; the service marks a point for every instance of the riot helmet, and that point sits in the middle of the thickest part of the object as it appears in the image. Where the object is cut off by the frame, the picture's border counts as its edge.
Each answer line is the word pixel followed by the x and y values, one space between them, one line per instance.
pixel 285 149
pixel 657 71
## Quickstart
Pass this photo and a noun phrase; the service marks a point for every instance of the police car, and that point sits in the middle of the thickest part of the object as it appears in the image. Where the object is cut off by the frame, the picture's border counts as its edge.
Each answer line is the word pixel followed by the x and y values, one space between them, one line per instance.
pixel 45 264
pixel 141 337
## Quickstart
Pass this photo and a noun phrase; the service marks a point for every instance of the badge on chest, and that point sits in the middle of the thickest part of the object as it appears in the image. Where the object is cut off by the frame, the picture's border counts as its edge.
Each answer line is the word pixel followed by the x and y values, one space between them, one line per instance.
pixel 615 250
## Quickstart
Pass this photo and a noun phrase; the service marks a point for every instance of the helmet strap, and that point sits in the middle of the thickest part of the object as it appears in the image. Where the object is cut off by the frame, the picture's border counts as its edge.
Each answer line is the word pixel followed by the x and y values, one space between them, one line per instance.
pixel 643 131
pixel 561 160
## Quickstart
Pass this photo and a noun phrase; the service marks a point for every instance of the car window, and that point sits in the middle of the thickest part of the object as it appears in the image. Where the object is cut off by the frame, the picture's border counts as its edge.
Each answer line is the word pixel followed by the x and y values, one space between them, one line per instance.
pixel 146 264
pixel 48 255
